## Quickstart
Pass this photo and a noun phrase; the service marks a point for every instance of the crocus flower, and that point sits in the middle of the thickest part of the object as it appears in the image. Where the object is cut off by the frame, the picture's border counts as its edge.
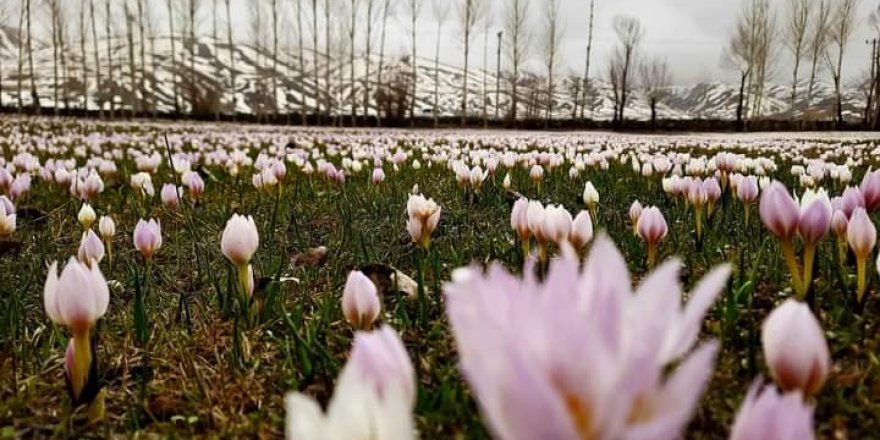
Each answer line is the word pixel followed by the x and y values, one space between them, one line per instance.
pixel 851 199
pixel 238 243
pixel 360 301
pixel 652 228
pixel 779 211
pixel 240 240
pixel 815 220
pixel 423 216
pixel 194 184
pixel 581 230
pixel 767 415
pixel 862 237
pixel 86 216
pixel 781 214
pixel 635 212
pixel 373 399
pixel 169 195
pixel 870 189
pixel 557 224
pixel 582 356
pixel 591 197
pixel 107 227
pixel 148 237
pixel 91 249
pixel 76 300
pixel 378 176
pixel 519 222
pixel 7 219
pixel 795 348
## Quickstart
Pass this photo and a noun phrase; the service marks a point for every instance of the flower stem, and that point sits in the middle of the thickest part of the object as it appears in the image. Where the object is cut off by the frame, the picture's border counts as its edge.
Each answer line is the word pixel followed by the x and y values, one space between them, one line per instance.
pixel 793 267
pixel 809 258
pixel 861 270
pixel 82 359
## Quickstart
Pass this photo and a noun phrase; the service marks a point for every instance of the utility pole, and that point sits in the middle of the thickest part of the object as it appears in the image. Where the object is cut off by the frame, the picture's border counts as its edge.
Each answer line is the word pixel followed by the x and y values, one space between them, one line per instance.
pixel 498 75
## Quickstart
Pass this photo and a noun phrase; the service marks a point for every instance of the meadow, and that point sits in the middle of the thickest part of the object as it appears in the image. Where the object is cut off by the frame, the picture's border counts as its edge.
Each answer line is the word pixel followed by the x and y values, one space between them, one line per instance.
pixel 201 323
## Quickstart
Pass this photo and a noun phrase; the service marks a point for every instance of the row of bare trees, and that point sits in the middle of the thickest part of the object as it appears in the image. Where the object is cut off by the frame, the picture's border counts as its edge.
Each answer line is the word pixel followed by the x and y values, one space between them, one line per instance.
pixel 315 58
pixel 814 33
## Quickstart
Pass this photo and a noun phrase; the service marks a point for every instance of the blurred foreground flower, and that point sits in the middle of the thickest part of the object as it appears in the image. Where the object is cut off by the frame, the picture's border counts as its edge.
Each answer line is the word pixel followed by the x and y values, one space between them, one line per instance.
pixel 795 348
pixel 373 399
pixel 767 415
pixel 582 356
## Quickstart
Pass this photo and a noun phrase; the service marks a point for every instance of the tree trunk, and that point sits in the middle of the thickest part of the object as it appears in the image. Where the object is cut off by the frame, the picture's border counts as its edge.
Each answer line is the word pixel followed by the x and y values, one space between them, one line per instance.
pixel 232 98
pixel 97 59
pixel 739 105
pixel 20 58
pixel 55 42
pixel 35 98
pixel 302 62
pixel 381 72
pixel 132 63
pixel 352 33
pixel 84 57
pixel 174 84
pixel 112 85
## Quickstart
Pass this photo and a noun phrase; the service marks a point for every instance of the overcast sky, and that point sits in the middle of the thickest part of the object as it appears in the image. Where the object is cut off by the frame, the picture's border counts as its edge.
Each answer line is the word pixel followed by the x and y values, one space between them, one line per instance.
pixel 690 34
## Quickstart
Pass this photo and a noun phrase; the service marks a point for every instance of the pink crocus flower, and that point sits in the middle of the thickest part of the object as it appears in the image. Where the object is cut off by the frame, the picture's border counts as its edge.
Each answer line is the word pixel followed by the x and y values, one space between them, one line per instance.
pixel 581 355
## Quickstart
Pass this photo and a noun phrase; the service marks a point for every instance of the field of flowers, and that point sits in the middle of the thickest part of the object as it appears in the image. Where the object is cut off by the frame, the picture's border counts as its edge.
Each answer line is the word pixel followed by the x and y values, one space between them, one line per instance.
pixel 199 280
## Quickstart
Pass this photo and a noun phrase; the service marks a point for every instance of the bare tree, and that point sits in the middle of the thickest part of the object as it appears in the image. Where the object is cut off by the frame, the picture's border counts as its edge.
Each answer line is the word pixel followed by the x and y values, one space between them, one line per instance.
pixel 84 58
pixel 192 11
pixel 35 98
pixel 840 31
pixel 4 18
pixel 386 13
pixel 352 33
pixel 141 28
pixel 764 31
pixel 553 34
pixel 215 42
pixel 441 14
pixel 55 16
pixel 315 55
pixel 172 13
pixel 302 60
pixel 329 6
pixel 129 36
pixel 233 100
pixel 415 9
pixel 745 51
pixel 257 36
pixel 97 57
pixel 796 29
pixel 586 85
pixel 819 30
pixel 656 81
pixel 273 10
pixel 470 12
pixel 625 57
pixel 149 23
pixel 20 74
pixel 371 21
pixel 516 26
pixel 488 23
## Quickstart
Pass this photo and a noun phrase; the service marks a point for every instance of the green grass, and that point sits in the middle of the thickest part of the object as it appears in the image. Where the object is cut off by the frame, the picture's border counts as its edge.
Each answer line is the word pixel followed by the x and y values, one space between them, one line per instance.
pixel 185 383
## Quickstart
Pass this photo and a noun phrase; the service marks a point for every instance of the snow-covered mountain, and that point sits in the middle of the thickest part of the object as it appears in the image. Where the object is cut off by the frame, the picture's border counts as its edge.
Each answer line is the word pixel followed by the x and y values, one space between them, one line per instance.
pixel 153 84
